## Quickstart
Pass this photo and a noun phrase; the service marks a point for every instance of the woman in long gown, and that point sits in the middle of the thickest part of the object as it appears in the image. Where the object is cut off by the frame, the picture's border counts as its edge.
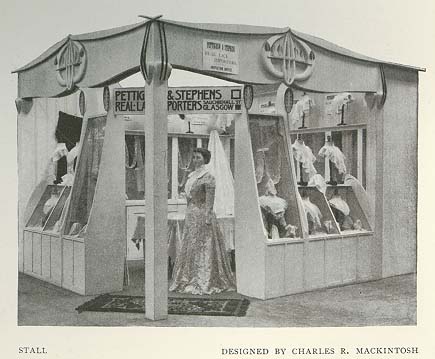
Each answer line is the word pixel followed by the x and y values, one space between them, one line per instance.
pixel 202 267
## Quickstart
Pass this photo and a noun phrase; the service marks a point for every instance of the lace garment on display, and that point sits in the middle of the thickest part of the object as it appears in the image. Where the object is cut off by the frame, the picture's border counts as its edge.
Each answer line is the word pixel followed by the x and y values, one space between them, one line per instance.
pixel 338 203
pixel 313 214
pixel 59 152
pixel 273 210
pixel 341 212
pixel 185 166
pixel 342 99
pixel 334 154
pixel 68 178
pixel 220 169
pixel 134 162
pixel 319 182
pixel 267 144
pixel 302 106
pixel 303 154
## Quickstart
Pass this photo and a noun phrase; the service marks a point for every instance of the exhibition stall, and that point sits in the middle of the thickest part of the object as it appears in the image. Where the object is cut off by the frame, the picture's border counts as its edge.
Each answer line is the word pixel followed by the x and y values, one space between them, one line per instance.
pixel 321 143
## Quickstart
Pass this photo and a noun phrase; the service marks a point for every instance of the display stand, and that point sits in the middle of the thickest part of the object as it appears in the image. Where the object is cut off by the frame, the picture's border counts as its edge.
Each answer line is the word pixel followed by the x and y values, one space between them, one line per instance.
pixel 78 251
pixel 307 261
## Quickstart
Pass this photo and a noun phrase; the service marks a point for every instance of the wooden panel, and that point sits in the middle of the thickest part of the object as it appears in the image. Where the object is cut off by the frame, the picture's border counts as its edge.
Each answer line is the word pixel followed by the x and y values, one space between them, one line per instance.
pixel 28 252
pixel 21 253
pixel 315 264
pixel 399 176
pixel 105 234
pixel 349 246
pixel 79 266
pixel 364 270
pixel 46 257
pixel 275 256
pixel 37 250
pixel 56 260
pixel 67 264
pixel 294 268
pixel 249 229
pixel 333 262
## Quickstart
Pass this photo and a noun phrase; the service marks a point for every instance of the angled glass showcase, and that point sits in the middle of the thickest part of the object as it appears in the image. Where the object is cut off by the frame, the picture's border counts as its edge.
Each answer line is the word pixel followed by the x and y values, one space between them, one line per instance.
pixel 86 176
pixel 279 210
pixel 49 206
pixel 346 209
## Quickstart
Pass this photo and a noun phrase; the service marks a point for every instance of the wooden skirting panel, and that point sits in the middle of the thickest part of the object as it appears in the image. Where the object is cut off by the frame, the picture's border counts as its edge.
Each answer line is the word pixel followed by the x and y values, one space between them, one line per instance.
pixel 300 266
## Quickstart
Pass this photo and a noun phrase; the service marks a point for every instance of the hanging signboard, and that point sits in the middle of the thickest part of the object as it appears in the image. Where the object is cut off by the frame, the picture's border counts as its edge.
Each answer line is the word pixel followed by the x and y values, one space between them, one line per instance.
pixel 216 99
pixel 223 99
pixel 129 101
pixel 220 56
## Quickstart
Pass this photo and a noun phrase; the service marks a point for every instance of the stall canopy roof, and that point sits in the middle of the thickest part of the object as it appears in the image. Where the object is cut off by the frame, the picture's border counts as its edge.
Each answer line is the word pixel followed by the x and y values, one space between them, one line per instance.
pixel 125 44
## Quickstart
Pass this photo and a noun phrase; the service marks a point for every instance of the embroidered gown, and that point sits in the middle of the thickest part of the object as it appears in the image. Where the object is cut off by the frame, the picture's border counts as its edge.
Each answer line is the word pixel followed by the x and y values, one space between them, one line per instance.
pixel 202 267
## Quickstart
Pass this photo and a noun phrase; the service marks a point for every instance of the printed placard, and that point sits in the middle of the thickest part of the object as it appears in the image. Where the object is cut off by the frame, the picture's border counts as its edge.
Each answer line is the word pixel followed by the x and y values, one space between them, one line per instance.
pixel 220 56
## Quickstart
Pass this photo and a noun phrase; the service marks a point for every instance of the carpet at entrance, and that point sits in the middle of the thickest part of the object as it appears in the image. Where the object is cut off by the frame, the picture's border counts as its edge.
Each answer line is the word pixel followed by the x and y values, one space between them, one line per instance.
pixel 181 306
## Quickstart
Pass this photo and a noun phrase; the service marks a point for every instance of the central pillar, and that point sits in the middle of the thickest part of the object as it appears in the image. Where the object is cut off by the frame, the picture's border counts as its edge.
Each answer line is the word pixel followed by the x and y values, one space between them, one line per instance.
pixel 156 184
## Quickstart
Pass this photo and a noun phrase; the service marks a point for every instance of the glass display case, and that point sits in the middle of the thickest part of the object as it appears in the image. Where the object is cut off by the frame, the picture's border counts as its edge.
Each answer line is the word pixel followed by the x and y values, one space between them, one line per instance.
pixel 280 214
pixel 347 211
pixel 53 224
pixel 86 176
pixel 48 210
pixel 335 154
pixel 318 214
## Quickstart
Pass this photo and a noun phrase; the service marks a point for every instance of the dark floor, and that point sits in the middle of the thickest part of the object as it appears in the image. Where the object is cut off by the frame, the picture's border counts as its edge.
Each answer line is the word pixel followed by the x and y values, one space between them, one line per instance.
pixel 391 301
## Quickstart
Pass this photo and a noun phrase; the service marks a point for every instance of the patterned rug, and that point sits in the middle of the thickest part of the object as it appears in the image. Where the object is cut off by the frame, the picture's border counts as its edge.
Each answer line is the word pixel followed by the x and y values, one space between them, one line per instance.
pixel 181 306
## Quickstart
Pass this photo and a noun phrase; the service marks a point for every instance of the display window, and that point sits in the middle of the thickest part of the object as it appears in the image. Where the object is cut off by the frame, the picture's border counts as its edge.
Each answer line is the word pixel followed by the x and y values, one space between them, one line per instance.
pixel 86 176
pixel 331 154
pixel 280 214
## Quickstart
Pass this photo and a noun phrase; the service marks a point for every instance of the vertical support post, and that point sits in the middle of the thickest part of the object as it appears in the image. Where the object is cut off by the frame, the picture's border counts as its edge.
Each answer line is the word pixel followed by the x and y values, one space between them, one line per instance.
pixel 156 201
pixel 327 169
pixel 174 172
pixel 359 145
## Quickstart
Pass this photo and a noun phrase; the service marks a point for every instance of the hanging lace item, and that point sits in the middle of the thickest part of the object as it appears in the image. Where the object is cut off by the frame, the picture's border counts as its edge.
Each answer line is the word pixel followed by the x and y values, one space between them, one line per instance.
pixel 185 166
pixel 342 99
pixel 312 213
pixel 303 154
pixel 319 182
pixel 134 159
pixel 267 144
pixel 220 169
pixel 68 178
pixel 334 154
pixel 140 164
pixel 59 152
pixel 338 203
pixel 302 106
pixel 130 161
